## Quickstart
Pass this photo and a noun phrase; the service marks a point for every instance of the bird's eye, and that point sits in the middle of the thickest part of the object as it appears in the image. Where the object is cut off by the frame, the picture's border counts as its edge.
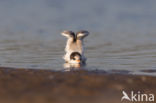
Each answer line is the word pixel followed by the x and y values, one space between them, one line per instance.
pixel 73 58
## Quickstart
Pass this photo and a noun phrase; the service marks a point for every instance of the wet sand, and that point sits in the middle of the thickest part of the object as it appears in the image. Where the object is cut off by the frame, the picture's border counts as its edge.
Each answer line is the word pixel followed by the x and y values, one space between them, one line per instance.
pixel 81 86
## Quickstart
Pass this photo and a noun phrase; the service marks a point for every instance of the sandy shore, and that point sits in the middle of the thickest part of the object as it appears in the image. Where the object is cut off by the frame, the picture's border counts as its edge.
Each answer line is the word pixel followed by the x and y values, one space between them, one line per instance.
pixel 45 86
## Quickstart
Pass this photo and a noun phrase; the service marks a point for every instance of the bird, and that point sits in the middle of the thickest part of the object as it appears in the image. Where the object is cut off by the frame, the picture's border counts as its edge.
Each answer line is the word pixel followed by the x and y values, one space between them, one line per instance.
pixel 75 46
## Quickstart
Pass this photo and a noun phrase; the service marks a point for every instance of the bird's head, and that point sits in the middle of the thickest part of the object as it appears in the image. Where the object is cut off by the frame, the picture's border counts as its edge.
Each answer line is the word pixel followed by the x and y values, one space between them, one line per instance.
pixel 76 57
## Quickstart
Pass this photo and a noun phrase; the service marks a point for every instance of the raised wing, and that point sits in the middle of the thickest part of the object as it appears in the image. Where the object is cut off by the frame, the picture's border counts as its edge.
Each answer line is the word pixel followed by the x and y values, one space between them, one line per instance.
pixel 82 34
pixel 68 34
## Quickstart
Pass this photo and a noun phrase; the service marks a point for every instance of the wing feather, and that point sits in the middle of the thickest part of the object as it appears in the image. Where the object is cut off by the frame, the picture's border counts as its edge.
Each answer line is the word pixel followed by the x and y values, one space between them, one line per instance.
pixel 68 34
pixel 82 34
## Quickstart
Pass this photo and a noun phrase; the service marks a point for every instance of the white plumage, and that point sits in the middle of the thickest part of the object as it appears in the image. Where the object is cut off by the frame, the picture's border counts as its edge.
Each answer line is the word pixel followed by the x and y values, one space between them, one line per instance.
pixel 75 45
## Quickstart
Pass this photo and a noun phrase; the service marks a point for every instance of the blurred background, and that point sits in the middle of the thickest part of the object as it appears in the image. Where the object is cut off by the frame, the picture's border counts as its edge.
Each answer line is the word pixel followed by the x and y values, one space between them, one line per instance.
pixel 122 33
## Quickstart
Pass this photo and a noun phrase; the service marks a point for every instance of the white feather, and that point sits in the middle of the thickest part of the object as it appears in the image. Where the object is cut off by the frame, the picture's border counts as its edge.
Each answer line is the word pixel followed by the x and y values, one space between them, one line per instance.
pixel 74 46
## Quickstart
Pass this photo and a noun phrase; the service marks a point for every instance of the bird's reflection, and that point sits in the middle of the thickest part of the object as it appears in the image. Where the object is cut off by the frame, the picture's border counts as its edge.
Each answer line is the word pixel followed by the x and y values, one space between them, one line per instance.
pixel 73 66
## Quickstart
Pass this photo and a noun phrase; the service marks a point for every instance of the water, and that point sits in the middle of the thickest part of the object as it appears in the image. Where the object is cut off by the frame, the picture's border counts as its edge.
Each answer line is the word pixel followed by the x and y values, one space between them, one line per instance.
pixel 122 33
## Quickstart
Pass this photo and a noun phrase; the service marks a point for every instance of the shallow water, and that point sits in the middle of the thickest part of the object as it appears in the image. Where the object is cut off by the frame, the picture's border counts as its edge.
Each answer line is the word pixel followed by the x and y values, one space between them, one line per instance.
pixel 122 33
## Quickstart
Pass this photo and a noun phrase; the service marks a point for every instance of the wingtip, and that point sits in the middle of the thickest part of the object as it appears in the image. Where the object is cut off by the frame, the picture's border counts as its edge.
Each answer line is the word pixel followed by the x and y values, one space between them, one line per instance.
pixel 83 32
pixel 68 33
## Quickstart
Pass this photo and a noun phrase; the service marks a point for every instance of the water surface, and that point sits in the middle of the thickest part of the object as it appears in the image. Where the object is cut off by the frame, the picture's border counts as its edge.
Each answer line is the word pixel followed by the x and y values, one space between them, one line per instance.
pixel 122 33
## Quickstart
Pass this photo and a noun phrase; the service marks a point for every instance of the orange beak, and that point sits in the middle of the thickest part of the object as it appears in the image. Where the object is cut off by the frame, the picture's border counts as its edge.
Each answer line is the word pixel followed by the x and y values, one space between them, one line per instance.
pixel 78 61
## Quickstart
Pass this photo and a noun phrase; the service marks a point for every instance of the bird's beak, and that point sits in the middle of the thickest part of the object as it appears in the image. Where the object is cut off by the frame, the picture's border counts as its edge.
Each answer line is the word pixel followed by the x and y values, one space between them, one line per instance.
pixel 78 61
